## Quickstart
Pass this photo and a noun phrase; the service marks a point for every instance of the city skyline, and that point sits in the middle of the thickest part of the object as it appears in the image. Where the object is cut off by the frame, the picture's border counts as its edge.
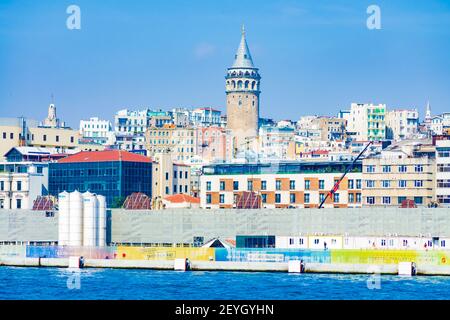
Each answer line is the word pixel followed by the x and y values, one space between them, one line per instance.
pixel 106 66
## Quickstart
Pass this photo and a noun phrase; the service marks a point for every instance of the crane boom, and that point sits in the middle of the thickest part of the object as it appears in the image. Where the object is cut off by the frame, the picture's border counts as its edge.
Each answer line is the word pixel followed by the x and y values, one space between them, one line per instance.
pixel 350 167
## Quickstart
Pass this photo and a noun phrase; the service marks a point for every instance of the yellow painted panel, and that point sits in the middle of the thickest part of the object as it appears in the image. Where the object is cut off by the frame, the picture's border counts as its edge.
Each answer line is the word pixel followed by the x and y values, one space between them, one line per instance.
pixel 162 253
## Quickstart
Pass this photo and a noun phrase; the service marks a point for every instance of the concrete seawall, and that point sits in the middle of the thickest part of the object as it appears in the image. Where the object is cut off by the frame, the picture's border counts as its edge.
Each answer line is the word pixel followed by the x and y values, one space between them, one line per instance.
pixel 225 266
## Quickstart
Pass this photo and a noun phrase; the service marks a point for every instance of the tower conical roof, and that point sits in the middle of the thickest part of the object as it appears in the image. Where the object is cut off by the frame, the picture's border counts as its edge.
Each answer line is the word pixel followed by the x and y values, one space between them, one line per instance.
pixel 243 58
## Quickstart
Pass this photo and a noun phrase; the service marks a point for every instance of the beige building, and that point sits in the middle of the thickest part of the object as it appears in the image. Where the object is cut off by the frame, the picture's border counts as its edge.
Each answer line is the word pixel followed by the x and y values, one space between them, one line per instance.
pixel 169 177
pixel 400 172
pixel 16 132
pixel 178 141
pixel 331 128
pixel 401 124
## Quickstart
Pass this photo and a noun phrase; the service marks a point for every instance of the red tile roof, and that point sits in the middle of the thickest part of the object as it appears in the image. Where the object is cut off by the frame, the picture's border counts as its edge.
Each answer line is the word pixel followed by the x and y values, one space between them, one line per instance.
pixel 180 198
pixel 105 156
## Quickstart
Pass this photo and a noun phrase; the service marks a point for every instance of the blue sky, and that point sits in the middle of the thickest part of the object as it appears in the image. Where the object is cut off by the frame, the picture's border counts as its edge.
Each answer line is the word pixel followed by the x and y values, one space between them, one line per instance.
pixel 315 57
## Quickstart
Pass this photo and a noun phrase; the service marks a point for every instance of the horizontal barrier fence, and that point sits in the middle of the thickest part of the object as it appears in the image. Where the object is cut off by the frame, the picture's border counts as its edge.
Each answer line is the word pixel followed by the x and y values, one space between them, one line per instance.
pixel 341 256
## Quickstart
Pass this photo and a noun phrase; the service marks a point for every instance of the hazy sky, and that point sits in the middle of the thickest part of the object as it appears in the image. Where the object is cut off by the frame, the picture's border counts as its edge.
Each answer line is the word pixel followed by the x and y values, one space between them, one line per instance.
pixel 315 57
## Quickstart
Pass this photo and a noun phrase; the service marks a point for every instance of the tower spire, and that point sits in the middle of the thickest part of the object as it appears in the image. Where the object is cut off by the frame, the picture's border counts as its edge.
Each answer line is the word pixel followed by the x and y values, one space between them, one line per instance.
pixel 243 58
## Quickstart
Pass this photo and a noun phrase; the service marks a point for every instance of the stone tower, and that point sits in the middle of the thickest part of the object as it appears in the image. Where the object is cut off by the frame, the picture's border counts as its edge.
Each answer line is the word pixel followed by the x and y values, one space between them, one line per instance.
pixel 242 90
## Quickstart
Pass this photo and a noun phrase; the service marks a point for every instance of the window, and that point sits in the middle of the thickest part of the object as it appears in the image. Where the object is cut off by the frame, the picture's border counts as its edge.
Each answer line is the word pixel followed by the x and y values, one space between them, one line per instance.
pixel 181 174
pixel 418 168
pixel 208 198
pixel 321 184
pixel 358 183
pixel 383 242
pixel 321 197
pixel 370 183
pixel 11 135
pixel 300 240
pixel 291 241
pixel 307 184
pixel 71 139
pixel 57 138
pixel 316 241
pixel 278 184
pixel 185 174
pixel 292 197
pixel 263 185
pixel 2 185
pixel 250 185
pixel 222 198
pixel 2 203
pixel 19 203
pixel 370 200
pixel 336 197
pixel 370 169
pixel 4 135
pixel 44 137
pixel 264 198
pixel 235 185
pixel 442 243
pixel 186 189
pixel 167 176
pixel 405 243
pixel 402 183
pixel 418 200
pixel 19 185
pixel 292 184
pixel 386 169
pixel 222 185
pixel 351 197
pixel 402 168
pixel 401 199
pixel 277 198
pixel 351 184
pixel 418 183
pixel 306 197
pixel 208 186
pixel 358 198
pixel 175 173
pixel 386 183
pixel 167 190
pixel 386 200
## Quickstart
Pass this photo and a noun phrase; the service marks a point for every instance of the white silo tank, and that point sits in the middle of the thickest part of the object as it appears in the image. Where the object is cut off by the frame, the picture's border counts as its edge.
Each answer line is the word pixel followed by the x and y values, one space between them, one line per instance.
pixel 101 226
pixel 90 217
pixel 63 218
pixel 76 219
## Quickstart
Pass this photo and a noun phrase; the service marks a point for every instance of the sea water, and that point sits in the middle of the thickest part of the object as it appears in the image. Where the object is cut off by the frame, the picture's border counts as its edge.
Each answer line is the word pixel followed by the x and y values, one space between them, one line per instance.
pixel 65 284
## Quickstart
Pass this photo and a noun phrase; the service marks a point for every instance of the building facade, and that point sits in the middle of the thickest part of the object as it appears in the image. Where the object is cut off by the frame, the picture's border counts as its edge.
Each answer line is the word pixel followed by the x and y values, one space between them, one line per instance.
pixel 96 130
pixel 114 174
pixel 282 185
pixel 178 141
pixel 367 121
pixel 399 173
pixel 442 144
pixel 169 177
pixel 242 96
pixel 401 124
pixel 21 183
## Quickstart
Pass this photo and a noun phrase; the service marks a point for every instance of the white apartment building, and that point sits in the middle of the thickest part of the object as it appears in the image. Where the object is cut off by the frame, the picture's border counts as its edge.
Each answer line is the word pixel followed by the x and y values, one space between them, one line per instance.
pixel 367 121
pixel 443 171
pixel 202 117
pixel 21 183
pixel 129 129
pixel 401 124
pixel 97 130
